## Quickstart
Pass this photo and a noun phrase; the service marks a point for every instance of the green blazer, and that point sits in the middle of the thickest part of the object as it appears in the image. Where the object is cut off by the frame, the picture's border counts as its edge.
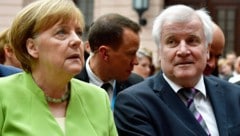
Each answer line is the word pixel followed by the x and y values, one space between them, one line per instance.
pixel 25 112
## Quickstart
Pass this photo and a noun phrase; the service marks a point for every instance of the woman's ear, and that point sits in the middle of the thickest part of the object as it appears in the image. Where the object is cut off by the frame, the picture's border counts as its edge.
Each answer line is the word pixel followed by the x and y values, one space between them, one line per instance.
pixel 32 47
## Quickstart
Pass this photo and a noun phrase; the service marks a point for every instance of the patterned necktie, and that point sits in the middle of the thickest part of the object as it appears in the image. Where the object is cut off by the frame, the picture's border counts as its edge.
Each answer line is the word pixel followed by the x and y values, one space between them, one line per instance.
pixel 188 95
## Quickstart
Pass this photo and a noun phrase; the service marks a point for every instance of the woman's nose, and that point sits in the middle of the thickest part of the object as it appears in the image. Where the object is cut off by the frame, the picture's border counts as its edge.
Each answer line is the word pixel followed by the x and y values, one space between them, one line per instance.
pixel 75 39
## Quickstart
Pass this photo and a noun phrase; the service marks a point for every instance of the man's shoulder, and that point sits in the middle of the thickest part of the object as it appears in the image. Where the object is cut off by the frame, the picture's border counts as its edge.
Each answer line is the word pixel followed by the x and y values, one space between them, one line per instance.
pixel 222 83
pixel 145 85
pixel 8 70
pixel 217 80
pixel 134 78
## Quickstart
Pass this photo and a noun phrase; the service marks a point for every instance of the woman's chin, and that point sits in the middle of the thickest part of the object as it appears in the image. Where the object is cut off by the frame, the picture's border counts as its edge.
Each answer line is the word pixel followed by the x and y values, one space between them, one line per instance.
pixel 75 70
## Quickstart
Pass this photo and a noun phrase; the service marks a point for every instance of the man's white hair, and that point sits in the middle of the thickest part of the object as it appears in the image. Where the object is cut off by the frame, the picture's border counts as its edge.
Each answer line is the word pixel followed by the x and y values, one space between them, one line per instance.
pixel 182 13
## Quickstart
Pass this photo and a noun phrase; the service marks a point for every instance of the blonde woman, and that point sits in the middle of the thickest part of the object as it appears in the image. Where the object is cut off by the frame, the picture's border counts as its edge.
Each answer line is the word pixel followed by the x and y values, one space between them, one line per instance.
pixel 144 66
pixel 45 100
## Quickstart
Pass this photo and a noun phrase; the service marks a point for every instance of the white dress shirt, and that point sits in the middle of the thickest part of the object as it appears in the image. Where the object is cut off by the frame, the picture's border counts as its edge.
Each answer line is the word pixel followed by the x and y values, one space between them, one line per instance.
pixel 202 104
pixel 93 79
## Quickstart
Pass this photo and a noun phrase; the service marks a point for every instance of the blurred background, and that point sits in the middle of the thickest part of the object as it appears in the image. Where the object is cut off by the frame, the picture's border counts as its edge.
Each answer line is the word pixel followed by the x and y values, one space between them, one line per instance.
pixel 226 13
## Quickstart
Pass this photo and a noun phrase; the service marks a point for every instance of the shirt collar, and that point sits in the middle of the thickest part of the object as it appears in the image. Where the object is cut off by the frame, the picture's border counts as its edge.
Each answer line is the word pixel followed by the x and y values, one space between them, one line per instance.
pixel 93 78
pixel 199 86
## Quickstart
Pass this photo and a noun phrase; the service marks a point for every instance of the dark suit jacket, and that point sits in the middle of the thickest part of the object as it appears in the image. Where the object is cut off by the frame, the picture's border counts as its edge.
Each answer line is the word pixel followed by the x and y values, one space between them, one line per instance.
pixel 8 70
pixel 152 108
pixel 132 79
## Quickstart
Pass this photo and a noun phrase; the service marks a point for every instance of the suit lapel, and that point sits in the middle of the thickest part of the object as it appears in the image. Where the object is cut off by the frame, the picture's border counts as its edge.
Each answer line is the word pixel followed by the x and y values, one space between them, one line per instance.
pixel 216 96
pixel 177 107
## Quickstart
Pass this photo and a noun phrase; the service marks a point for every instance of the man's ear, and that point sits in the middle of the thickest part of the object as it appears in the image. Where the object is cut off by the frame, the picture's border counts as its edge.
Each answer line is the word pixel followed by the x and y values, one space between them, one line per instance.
pixel 208 51
pixel 159 57
pixel 104 52
pixel 32 47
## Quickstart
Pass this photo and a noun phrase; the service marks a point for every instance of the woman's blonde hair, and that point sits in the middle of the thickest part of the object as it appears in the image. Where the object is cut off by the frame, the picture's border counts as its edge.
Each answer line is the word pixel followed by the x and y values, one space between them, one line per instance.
pixel 36 18
pixel 144 52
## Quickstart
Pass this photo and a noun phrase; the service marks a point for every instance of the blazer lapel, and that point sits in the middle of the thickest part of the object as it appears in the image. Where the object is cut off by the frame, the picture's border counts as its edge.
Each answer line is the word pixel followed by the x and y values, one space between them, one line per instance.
pixel 216 96
pixel 76 115
pixel 172 100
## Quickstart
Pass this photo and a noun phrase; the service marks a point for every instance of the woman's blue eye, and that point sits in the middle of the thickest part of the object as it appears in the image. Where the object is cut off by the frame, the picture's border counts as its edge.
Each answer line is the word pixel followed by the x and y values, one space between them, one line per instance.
pixel 79 33
pixel 61 32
